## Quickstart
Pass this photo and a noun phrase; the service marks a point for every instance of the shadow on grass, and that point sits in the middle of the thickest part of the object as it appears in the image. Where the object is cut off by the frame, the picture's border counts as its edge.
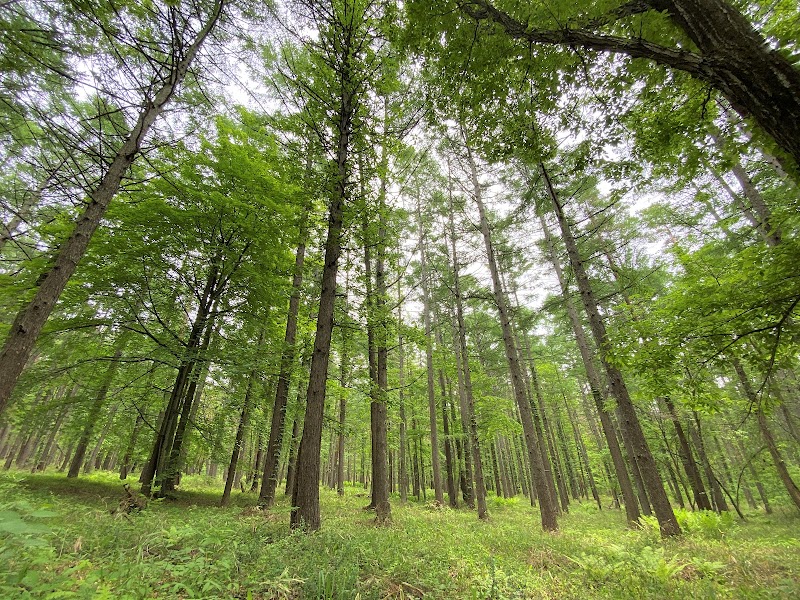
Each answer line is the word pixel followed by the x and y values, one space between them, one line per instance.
pixel 104 489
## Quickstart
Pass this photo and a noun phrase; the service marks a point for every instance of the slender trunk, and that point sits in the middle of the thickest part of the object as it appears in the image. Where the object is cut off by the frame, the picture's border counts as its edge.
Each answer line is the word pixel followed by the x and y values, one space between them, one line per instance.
pixel 573 419
pixel 595 385
pixel 93 457
pixel 539 476
pixel 426 307
pixel 269 482
pixel 469 423
pixel 291 461
pixel 762 493
pixel 237 444
pixel 716 492
pixel 761 216
pixel 554 476
pixel 126 459
pixel 401 393
pixel 689 465
pixel 45 457
pixel 452 494
pixel 94 411
pixel 629 421
pixel 769 439
pixel 342 412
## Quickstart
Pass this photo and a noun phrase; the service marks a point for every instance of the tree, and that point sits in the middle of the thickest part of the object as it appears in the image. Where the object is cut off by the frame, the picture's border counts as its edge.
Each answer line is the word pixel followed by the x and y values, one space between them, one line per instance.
pixel 171 68
pixel 732 56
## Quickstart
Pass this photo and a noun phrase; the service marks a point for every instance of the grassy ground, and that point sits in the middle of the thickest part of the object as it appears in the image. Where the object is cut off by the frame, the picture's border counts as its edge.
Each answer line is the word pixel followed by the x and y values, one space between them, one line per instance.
pixel 58 539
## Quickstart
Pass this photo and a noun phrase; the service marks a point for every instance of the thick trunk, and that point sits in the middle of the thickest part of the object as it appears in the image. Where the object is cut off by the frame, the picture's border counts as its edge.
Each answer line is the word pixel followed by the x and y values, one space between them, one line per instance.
pixel 758 81
pixel 380 484
pixel 31 318
pixel 629 420
pixel 733 58
pixel 305 496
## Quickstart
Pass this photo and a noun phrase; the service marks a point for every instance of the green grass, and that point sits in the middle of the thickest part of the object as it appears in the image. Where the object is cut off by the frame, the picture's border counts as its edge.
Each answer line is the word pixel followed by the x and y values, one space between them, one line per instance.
pixel 58 539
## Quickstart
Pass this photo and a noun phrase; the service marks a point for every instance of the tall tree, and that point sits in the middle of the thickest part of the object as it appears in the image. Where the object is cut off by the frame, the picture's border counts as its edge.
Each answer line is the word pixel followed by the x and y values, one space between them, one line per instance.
pixel 171 67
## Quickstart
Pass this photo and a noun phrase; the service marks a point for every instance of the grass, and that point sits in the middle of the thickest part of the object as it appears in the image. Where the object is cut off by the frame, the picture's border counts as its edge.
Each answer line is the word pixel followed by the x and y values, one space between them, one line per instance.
pixel 58 539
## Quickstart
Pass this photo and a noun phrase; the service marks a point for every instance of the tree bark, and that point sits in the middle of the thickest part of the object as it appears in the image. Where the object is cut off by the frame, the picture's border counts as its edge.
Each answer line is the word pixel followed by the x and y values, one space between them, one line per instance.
pixel 733 57
pixel 426 308
pixel 401 393
pixel 94 411
pixel 469 423
pixel 596 386
pixel 305 497
pixel 533 444
pixel 769 439
pixel 629 421
pixel 31 318
pixel 689 464
pixel 244 418
pixel 269 482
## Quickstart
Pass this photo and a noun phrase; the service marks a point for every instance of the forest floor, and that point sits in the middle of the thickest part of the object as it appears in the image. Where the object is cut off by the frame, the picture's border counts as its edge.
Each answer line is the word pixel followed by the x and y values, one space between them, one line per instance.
pixel 58 539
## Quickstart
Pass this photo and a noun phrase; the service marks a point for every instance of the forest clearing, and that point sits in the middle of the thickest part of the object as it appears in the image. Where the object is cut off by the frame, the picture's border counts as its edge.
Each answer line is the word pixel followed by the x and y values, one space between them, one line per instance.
pixel 191 548
pixel 378 299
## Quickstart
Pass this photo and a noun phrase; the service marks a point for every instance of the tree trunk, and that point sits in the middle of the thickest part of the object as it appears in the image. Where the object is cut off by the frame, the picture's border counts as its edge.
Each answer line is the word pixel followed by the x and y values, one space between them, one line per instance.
pixel 689 465
pixel 305 496
pixel 452 494
pixel 426 308
pixel 91 464
pixel 716 492
pixel 733 57
pixel 269 482
pixel 763 426
pixel 471 444
pixel 31 318
pixel 401 394
pixel 533 444
pixel 45 457
pixel 126 459
pixel 244 418
pixel 629 421
pixel 94 411
pixel 291 460
pixel 197 341
pixel 596 387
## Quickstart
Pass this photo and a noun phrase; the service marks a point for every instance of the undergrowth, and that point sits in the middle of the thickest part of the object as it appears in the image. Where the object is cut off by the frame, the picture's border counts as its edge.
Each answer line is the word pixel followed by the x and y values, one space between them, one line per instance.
pixel 59 539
